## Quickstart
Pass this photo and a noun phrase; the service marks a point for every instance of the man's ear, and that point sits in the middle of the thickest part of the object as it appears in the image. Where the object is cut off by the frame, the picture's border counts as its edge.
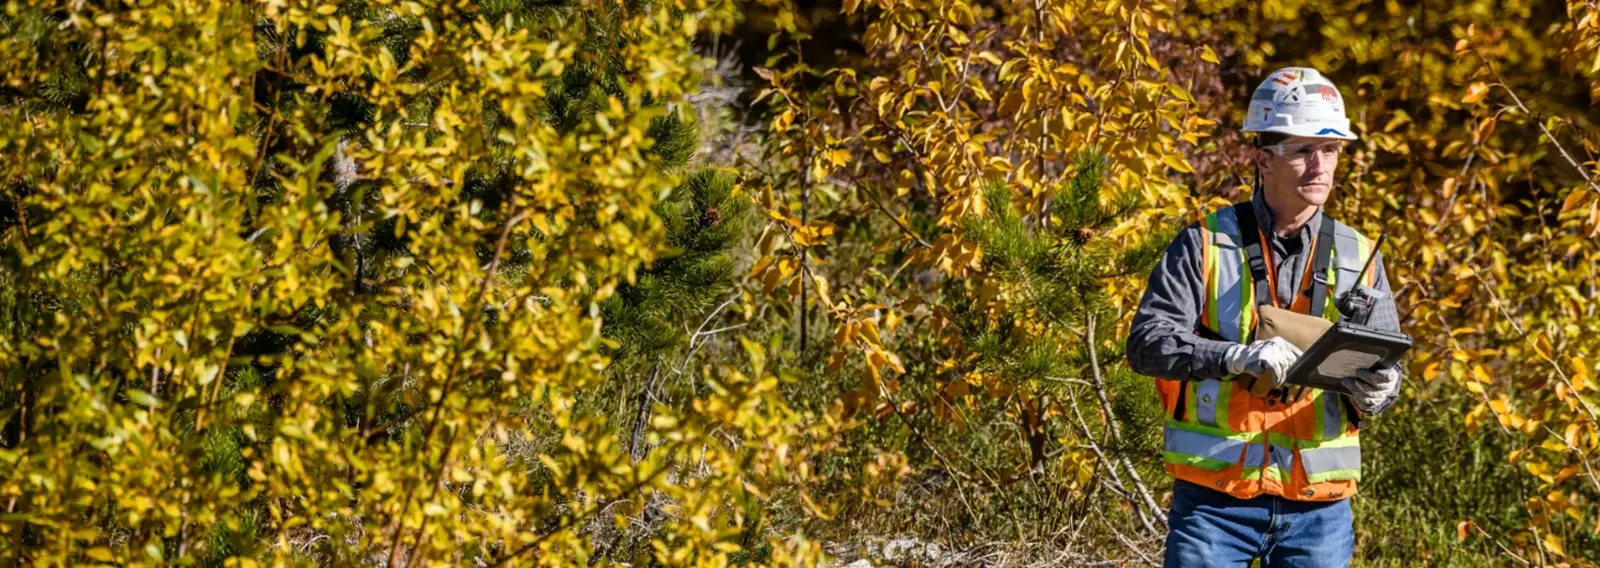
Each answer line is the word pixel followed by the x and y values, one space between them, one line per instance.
pixel 1262 159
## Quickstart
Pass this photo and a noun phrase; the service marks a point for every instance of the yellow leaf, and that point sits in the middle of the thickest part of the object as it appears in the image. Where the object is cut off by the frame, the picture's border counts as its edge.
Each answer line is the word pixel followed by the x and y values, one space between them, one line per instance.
pixel 839 157
pixel 1475 388
pixel 822 289
pixel 1574 200
pixel 1553 544
pixel 1566 473
pixel 1011 102
pixel 870 333
pixel 1581 378
pixel 1208 56
pixel 99 553
pixel 1177 162
pixel 1481 374
pixel 957 388
pixel 761 266
pixel 1485 128
pixel 1531 426
pixel 771 280
pixel 1475 93
pixel 1543 347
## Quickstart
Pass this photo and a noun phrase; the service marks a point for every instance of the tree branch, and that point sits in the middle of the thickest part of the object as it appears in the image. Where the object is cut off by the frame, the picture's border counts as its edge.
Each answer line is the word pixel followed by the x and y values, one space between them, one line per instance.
pixel 449 381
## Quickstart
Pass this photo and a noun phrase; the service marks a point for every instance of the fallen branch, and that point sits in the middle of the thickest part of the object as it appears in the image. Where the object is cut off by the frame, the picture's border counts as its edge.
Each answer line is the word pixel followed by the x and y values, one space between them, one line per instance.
pixel 1122 539
pixel 1513 555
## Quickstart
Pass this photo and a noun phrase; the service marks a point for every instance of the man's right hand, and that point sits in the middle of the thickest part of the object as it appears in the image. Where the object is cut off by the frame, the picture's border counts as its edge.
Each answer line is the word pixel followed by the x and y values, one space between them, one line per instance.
pixel 1275 355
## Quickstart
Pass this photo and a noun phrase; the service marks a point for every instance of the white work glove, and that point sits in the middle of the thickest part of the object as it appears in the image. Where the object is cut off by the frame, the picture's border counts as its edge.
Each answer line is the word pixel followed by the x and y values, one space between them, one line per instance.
pixel 1371 391
pixel 1274 355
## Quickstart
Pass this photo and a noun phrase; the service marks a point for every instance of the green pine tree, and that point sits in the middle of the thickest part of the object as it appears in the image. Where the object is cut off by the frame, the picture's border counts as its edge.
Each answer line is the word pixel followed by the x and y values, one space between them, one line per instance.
pixel 1054 271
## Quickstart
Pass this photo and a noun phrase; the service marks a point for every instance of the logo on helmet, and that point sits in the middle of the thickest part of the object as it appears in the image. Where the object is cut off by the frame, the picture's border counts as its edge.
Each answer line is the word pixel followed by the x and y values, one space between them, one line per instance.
pixel 1333 131
pixel 1326 92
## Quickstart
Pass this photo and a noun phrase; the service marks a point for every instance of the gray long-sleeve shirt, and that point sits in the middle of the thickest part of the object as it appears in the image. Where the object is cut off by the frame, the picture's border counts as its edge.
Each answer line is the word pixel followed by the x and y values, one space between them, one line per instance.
pixel 1163 342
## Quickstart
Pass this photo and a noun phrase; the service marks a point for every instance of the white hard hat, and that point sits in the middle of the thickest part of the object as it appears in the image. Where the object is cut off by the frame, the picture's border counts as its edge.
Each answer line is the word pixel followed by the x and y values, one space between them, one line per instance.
pixel 1298 101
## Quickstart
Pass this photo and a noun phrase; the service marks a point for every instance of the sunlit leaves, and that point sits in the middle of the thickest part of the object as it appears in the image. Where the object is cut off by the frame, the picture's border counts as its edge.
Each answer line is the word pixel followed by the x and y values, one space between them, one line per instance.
pixel 313 282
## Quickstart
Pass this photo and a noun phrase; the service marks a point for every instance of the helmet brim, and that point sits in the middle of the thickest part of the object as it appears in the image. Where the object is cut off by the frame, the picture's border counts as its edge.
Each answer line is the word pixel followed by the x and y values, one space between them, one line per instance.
pixel 1309 131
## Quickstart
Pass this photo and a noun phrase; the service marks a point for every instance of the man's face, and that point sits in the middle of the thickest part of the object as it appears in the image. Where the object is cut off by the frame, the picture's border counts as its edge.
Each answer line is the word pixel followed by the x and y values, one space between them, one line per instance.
pixel 1300 170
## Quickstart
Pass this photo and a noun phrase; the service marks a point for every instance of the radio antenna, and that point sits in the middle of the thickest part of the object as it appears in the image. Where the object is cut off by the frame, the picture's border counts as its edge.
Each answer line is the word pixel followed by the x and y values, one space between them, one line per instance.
pixel 1371 257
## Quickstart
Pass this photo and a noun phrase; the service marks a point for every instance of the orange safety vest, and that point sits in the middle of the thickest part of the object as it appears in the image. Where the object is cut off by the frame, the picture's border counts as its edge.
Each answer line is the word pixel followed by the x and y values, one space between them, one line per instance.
pixel 1221 436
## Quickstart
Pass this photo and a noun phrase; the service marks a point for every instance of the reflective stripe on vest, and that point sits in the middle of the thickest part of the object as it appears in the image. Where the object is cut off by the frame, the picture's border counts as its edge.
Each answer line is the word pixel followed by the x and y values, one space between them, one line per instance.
pixel 1331 459
pixel 1204 438
pixel 1279 461
pixel 1208 401
pixel 1228 291
pixel 1202 447
pixel 1330 415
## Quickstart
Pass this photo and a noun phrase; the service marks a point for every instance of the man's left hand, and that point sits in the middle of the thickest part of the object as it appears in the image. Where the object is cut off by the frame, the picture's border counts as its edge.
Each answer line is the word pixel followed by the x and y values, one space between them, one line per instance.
pixel 1372 390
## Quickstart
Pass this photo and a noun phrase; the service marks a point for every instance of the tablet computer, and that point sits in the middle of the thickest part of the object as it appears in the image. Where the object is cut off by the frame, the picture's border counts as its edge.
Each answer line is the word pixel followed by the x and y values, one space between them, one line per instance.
pixel 1342 351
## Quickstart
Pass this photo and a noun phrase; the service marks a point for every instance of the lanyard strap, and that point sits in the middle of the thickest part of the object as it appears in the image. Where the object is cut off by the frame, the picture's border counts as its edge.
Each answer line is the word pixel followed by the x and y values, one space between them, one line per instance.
pixel 1319 272
pixel 1253 243
pixel 1313 294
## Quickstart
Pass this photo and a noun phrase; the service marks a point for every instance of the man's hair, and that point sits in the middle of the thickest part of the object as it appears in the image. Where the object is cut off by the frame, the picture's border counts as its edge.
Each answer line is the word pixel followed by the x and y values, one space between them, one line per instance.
pixel 1270 138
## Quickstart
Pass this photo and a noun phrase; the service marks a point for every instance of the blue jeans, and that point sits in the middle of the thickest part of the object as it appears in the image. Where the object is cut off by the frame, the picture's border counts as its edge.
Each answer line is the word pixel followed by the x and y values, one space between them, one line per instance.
pixel 1211 528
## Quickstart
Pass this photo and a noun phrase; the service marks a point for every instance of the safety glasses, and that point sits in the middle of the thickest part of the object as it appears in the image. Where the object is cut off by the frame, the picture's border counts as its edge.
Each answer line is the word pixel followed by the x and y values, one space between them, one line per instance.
pixel 1301 153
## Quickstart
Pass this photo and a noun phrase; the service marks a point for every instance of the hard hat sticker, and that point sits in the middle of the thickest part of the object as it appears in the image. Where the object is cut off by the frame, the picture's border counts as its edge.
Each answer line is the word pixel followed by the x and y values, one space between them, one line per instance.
pixel 1327 93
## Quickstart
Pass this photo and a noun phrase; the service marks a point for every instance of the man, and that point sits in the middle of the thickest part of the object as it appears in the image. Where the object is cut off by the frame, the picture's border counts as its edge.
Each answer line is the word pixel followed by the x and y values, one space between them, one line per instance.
pixel 1263 477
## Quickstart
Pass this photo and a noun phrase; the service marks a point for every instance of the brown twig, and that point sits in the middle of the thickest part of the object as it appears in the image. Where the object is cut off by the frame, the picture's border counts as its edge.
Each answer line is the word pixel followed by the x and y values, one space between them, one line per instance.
pixel 205 411
pixel 1583 459
pixel 593 510
pixel 1513 555
pixel 449 380
pixel 270 130
pixel 1111 420
pixel 1116 478
pixel 1501 82
pixel 1122 539
pixel 872 195
pixel 1499 304
pixel 636 447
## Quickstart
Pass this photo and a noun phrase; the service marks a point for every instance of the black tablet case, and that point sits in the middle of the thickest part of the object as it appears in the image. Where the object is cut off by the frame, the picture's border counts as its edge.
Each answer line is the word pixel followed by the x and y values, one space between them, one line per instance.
pixel 1343 350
